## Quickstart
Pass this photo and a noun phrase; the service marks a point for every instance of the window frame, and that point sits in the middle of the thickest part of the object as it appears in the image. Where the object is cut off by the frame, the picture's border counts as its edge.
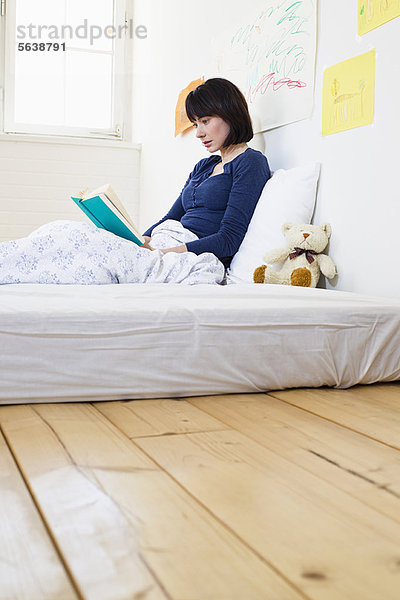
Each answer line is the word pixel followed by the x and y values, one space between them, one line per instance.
pixel 122 12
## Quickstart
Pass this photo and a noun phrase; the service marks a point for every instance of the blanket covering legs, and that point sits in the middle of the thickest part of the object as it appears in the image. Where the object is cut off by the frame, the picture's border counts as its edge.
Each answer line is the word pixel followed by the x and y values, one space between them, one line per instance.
pixel 71 252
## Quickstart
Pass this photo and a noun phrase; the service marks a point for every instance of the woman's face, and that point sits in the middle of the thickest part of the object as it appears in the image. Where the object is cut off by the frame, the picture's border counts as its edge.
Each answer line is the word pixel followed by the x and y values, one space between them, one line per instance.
pixel 212 131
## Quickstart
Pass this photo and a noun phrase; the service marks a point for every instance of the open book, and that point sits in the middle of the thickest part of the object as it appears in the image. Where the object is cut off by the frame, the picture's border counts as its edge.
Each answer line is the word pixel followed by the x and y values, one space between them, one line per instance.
pixel 105 209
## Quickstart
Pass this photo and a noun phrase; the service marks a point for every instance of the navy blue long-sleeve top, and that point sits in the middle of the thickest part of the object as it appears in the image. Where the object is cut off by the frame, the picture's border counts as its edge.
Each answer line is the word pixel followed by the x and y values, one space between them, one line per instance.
pixel 218 208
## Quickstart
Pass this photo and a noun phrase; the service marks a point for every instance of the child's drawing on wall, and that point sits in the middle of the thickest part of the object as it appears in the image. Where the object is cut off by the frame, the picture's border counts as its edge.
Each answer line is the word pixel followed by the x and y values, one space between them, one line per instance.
pixel 347 107
pixel 373 13
pixel 348 94
pixel 270 56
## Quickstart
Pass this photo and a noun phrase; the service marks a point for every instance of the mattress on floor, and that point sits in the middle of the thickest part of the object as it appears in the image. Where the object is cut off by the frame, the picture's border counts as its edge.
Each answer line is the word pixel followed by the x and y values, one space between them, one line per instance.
pixel 86 343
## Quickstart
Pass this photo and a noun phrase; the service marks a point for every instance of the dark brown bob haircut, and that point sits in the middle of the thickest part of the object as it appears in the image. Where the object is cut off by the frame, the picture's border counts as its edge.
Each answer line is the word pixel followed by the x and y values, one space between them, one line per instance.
pixel 222 98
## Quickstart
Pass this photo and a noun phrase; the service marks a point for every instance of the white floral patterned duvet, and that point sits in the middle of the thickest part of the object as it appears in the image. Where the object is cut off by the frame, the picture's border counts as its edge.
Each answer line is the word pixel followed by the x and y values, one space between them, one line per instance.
pixel 70 252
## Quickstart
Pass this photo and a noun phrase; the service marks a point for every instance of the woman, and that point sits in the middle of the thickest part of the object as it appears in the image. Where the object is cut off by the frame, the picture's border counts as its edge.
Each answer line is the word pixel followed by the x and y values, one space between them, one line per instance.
pixel 195 240
pixel 220 194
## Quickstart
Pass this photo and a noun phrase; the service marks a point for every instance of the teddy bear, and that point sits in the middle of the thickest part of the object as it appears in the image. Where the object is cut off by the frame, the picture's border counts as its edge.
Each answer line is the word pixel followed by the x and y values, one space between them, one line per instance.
pixel 303 261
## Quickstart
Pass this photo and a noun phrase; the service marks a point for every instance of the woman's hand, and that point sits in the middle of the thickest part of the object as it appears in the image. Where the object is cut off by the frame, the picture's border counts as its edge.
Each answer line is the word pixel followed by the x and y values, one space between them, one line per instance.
pixel 147 241
pixel 178 249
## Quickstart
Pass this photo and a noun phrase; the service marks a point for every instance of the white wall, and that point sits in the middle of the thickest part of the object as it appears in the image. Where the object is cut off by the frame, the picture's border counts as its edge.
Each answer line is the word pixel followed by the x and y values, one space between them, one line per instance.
pixel 38 178
pixel 175 52
pixel 358 193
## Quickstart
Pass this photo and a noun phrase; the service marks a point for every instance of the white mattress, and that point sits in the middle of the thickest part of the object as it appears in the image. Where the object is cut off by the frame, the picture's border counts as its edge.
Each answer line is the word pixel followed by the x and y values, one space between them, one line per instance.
pixel 85 343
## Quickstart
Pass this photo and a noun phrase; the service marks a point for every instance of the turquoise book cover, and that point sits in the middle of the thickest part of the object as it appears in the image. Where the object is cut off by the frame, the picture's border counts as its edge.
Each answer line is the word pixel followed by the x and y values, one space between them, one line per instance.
pixel 102 216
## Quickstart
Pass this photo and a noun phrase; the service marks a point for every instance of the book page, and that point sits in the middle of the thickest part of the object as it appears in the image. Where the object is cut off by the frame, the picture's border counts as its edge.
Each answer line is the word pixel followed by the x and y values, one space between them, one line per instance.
pixel 112 196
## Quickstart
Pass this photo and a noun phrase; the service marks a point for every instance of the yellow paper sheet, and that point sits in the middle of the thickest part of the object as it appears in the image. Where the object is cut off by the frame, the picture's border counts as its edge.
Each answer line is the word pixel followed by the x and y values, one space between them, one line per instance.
pixel 181 120
pixel 348 94
pixel 373 13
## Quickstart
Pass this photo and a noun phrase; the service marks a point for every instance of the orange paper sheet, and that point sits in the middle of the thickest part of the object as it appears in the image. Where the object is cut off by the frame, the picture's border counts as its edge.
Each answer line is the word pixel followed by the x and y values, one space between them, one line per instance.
pixel 181 121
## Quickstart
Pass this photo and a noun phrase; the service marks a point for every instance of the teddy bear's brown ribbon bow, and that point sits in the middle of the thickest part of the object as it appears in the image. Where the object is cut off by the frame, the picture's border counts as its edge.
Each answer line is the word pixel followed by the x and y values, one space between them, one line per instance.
pixel 300 251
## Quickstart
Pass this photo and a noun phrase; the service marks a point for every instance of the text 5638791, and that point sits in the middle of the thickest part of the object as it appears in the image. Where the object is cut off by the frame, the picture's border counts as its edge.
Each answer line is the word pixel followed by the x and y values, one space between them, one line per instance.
pixel 41 47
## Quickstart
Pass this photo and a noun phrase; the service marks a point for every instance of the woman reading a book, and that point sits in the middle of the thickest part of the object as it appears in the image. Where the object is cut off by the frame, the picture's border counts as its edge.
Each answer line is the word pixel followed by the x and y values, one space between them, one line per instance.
pixel 193 243
pixel 220 194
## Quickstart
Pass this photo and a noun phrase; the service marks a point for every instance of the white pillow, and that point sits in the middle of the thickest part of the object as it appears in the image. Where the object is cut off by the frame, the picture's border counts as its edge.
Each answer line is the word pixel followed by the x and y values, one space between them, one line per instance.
pixel 289 195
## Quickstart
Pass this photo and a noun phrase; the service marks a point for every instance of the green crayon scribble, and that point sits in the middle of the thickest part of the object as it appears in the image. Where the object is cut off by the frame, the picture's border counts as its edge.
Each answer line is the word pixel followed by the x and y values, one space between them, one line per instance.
pixel 362 9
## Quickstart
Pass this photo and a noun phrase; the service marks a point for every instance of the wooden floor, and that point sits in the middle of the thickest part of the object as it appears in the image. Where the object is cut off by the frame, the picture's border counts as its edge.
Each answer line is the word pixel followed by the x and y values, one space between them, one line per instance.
pixel 283 496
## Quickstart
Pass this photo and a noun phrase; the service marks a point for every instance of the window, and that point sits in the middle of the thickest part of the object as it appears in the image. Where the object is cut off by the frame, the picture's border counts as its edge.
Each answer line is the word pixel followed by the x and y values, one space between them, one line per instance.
pixel 65 67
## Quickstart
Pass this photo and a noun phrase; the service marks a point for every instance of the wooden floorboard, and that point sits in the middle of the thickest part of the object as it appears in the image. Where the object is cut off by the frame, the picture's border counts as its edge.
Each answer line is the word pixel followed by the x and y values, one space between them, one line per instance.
pixel 358 465
pixel 29 564
pixel 291 495
pixel 95 536
pixel 324 541
pixel 126 528
pixel 372 410
pixel 139 418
